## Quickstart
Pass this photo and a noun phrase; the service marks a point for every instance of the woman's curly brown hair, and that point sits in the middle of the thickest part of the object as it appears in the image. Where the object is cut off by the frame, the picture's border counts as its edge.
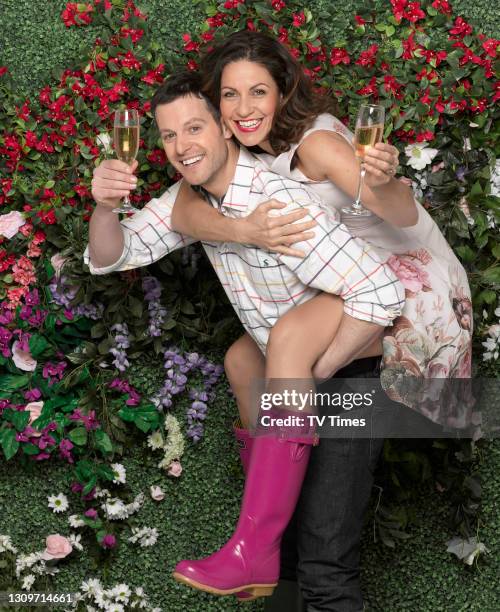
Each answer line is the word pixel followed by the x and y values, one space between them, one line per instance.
pixel 299 106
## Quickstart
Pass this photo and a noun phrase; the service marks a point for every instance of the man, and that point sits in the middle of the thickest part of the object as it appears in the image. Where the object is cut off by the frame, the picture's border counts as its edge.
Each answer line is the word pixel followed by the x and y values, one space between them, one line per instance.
pixel 260 285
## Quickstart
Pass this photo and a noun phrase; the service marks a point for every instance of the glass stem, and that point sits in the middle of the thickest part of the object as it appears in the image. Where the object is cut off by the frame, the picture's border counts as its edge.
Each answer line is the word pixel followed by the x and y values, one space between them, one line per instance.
pixel 357 203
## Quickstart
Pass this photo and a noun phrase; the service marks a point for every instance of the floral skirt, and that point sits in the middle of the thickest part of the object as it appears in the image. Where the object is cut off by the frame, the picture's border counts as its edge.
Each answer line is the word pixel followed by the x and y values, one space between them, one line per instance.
pixel 432 339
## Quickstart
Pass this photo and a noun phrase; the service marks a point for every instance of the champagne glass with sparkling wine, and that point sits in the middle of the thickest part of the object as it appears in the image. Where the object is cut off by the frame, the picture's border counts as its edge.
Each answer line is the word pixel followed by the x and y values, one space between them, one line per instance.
pixel 368 131
pixel 126 132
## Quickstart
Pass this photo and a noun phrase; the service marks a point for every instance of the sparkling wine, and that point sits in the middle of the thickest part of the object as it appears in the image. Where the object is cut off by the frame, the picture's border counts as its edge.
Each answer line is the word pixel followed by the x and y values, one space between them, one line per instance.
pixel 126 141
pixel 367 137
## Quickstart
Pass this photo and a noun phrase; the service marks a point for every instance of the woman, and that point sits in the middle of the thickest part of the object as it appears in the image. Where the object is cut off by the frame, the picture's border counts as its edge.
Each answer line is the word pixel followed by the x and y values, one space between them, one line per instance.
pixel 267 102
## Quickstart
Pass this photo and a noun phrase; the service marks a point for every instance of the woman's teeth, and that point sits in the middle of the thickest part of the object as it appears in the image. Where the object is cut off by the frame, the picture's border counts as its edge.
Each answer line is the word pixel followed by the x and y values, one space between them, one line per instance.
pixel 191 160
pixel 249 124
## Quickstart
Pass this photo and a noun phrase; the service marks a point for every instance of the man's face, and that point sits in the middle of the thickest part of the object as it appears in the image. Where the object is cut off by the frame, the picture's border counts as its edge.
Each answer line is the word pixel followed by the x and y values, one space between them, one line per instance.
pixel 194 142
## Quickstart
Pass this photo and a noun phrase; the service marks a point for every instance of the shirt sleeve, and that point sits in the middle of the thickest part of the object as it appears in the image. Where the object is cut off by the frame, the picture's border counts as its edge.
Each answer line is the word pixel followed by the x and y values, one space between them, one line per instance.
pixel 336 262
pixel 147 236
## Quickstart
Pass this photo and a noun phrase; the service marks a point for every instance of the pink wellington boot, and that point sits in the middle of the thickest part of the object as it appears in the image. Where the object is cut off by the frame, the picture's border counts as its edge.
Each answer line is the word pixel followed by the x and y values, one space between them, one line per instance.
pixel 244 442
pixel 250 560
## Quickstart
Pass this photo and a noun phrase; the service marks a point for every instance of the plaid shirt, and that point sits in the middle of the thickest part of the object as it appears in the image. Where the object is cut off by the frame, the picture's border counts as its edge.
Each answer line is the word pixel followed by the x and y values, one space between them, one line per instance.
pixel 262 285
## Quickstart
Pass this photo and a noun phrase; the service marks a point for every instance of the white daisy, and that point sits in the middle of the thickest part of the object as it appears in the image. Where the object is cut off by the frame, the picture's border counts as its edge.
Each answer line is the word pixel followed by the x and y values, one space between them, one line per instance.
pixel 119 472
pixel 6 544
pixel 75 521
pixel 74 539
pixel 121 592
pixel 58 503
pixel 91 586
pixel 155 440
pixel 28 582
pixel 115 509
pixel 101 492
pixel 115 607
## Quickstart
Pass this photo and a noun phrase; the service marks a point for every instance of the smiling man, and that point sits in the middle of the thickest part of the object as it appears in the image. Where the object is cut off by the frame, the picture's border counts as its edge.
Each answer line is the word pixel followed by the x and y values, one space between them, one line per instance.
pixel 260 285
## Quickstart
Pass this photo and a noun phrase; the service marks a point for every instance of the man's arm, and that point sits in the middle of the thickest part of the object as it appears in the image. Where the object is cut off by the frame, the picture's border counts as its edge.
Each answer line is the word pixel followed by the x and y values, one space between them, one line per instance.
pixel 136 241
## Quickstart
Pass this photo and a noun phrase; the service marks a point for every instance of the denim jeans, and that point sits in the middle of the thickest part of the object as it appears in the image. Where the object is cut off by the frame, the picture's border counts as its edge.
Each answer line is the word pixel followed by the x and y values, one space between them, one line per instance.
pixel 321 545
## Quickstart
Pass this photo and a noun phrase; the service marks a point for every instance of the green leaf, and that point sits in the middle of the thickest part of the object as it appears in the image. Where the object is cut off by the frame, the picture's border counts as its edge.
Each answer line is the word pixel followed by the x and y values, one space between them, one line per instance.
pixel 11 382
pixel 37 345
pixel 465 253
pixel 78 436
pixel 18 418
pixel 9 443
pixel 492 275
pixel 496 251
pixel 103 443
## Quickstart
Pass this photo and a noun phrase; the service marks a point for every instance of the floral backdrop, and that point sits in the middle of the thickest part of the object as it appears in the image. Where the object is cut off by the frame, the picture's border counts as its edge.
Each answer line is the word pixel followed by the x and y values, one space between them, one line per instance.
pixel 67 339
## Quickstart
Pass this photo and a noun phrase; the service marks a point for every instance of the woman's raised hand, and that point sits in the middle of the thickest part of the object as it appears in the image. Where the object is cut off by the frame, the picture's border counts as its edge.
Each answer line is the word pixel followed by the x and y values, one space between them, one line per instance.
pixel 276 233
pixel 381 162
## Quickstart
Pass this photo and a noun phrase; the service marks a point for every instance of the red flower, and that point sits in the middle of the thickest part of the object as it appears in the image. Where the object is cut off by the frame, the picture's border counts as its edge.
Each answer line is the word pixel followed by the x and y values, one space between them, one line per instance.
pixel 130 61
pixel 490 46
pixel 157 156
pixel 461 29
pixel 469 56
pixel 434 57
pixel 155 75
pixel 48 217
pixel 192 65
pixel 409 47
pixel 339 56
pixel 480 106
pixel 216 21
pixel 294 52
pixel 368 57
pixel 44 96
pixel 425 136
pixel 24 111
pixel 359 20
pixel 82 191
pixel 229 4
pixel 414 12
pixel 392 86
pixel 370 89
pixel 190 45
pixel 496 95
pixel 488 69
pixel 442 6
pixel 3 70
pixel 77 14
pixel 134 34
pixel 283 35
pixel 425 99
pixel 278 5
pixel 299 19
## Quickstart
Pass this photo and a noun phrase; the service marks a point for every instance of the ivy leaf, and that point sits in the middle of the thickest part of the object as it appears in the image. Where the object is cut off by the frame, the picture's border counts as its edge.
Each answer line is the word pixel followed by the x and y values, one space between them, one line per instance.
pixel 9 443
pixel 103 443
pixel 78 436
pixel 11 382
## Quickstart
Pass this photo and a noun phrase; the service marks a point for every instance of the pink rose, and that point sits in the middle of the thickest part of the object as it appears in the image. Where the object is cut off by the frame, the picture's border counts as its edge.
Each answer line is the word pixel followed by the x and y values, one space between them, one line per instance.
pixel 22 359
pixel 156 493
pixel 411 276
pixel 10 223
pixel 35 409
pixel 57 547
pixel 175 469
pixel 57 262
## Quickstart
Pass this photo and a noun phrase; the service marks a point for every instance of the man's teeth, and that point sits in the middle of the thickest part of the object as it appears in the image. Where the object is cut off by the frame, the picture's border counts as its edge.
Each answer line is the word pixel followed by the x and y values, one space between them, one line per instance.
pixel 192 160
pixel 249 124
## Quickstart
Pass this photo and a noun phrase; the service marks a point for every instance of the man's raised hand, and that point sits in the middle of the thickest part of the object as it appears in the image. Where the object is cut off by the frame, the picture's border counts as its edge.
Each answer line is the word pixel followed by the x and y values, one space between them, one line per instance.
pixel 113 180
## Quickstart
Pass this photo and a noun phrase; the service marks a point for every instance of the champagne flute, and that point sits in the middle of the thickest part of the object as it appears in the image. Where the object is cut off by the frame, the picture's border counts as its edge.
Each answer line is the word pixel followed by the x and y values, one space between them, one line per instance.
pixel 126 131
pixel 368 131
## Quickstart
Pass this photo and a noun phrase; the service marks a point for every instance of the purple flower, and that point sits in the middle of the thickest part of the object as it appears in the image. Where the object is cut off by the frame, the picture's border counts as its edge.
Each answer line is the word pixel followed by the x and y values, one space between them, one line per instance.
pixel 32 298
pixel 5 338
pixel 65 447
pixel 76 487
pixel 108 541
pixel 91 513
pixel 25 312
pixel 54 371
pixel 37 318
pixel 195 432
pixel 33 394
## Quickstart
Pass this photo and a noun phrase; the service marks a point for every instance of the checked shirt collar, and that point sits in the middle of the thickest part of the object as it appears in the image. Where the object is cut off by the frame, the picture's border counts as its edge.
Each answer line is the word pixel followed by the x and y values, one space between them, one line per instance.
pixel 237 195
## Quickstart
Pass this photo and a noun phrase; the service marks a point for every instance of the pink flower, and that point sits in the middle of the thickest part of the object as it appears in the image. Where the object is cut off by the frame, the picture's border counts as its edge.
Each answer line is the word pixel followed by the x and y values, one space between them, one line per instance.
pixel 156 493
pixel 411 276
pixel 57 261
pixel 57 547
pixel 175 469
pixel 10 223
pixel 22 359
pixel 35 409
pixel 108 541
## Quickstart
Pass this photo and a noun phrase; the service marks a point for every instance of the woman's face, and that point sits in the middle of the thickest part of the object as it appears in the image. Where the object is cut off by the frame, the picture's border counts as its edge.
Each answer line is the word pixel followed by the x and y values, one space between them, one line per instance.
pixel 249 100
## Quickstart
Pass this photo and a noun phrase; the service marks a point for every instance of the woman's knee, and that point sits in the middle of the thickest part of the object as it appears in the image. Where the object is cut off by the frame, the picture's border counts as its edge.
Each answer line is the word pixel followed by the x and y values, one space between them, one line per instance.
pixel 242 360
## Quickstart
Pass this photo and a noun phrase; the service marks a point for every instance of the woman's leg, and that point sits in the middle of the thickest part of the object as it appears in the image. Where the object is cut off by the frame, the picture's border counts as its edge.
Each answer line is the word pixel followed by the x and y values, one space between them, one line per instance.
pixel 244 362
